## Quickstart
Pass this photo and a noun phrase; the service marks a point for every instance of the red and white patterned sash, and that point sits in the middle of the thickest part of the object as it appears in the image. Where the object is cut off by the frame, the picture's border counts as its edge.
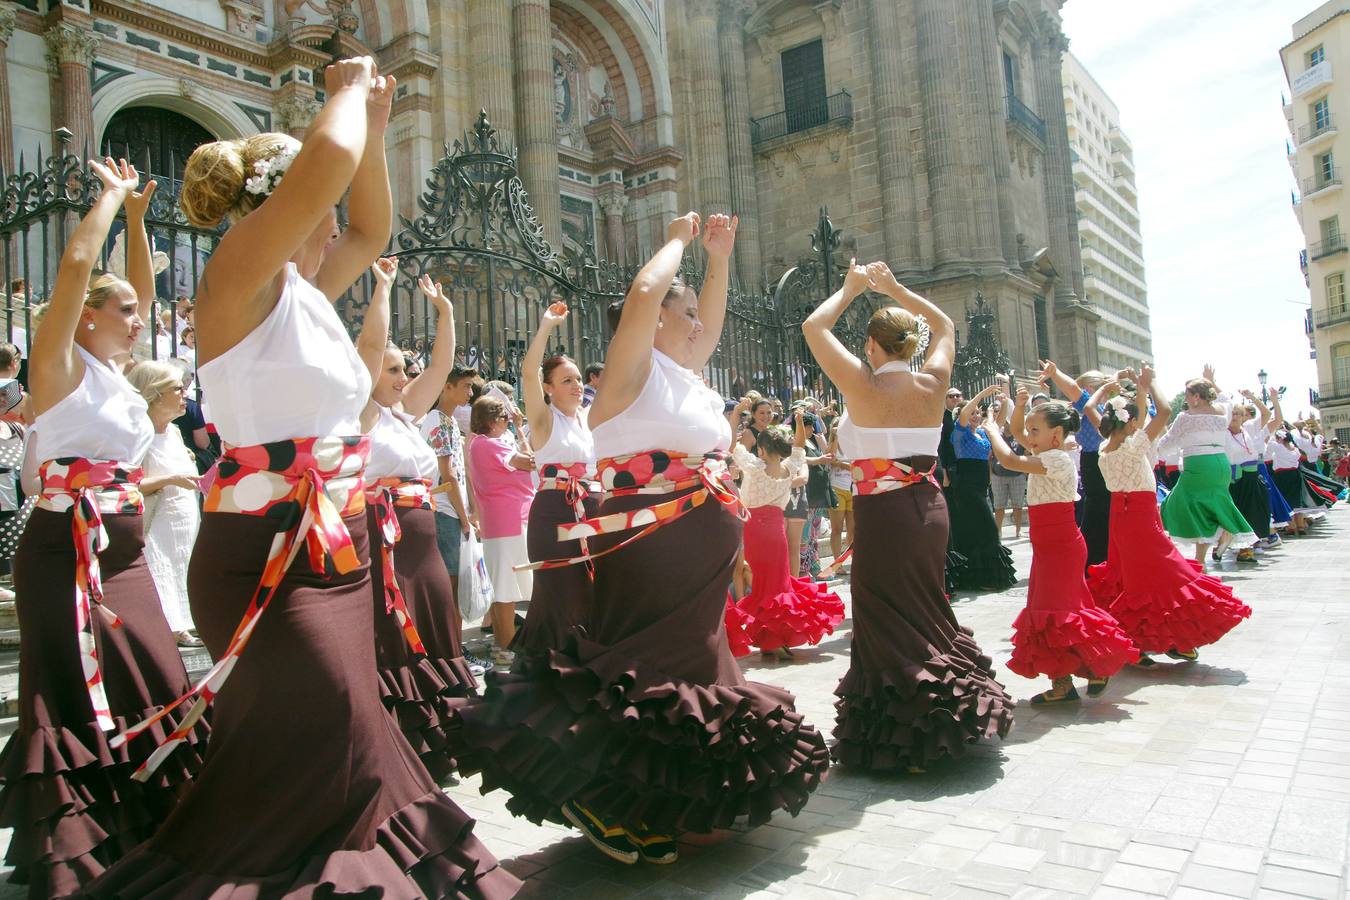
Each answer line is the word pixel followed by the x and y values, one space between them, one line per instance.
pixel 880 476
pixel 653 472
pixel 387 494
pixel 572 481
pixel 90 489
pixel 306 487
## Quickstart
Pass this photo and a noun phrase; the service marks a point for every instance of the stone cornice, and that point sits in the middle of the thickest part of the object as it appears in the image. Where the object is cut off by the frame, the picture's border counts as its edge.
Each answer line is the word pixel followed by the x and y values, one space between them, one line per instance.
pixel 191 33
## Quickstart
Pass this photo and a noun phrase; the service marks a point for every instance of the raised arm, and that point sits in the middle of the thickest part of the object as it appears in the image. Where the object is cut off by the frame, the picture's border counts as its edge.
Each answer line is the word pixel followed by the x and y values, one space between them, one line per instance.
pixel 1261 408
pixel 55 368
pixel 140 262
pixel 423 391
pixel 941 332
pixel 370 208
pixel 374 336
pixel 848 372
pixel 1162 411
pixel 1067 386
pixel 1276 414
pixel 1019 416
pixel 974 403
pixel 1005 456
pixel 719 238
pixel 1108 390
pixel 532 378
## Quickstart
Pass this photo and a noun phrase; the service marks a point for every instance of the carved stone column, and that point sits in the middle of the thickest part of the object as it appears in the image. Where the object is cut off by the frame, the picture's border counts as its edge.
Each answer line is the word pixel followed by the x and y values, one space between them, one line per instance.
pixel 976 102
pixel 489 60
pixel 70 53
pixel 295 112
pixel 613 205
pixel 7 20
pixel 710 126
pixel 1058 169
pixel 998 129
pixel 536 131
pixel 740 152
pixel 895 157
pixel 940 74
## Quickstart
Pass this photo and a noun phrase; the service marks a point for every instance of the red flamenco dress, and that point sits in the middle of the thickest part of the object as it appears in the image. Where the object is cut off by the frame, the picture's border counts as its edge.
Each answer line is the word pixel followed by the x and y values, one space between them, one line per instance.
pixel 1062 632
pixel 780 610
pixel 1163 600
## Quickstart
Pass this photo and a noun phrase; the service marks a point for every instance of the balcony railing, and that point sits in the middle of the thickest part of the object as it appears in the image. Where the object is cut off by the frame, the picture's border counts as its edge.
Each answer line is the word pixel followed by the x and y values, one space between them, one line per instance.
pixel 1325 318
pixel 834 109
pixel 1334 244
pixel 1333 393
pixel 1326 125
pixel 1321 182
pixel 1020 114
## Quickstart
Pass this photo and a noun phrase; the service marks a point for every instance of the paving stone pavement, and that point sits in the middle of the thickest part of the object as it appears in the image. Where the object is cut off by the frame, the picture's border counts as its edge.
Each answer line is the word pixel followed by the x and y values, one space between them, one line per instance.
pixel 1226 777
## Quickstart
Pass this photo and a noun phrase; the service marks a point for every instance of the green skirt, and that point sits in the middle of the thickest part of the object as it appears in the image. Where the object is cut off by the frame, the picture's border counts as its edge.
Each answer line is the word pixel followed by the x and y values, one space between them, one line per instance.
pixel 1200 507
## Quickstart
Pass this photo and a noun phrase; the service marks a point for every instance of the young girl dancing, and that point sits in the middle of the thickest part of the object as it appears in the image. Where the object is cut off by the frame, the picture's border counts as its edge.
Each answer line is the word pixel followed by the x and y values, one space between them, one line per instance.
pixel 1062 632
pixel 1164 601
pixel 780 611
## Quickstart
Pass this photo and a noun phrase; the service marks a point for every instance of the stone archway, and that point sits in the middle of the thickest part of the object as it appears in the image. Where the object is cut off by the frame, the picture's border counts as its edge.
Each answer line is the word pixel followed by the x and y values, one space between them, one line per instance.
pixel 154 139
pixel 213 111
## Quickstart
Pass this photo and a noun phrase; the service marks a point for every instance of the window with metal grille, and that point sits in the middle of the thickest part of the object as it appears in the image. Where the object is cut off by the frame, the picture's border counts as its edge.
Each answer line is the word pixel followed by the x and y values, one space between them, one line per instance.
pixel 1336 292
pixel 804 97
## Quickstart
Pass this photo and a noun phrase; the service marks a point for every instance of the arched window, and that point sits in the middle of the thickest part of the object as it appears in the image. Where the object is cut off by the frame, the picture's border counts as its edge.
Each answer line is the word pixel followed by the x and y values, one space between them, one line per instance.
pixel 156 139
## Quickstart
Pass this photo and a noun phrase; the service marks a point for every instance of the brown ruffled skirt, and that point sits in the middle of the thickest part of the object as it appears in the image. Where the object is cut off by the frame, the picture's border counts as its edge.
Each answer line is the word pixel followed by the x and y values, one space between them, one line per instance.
pixel 420 690
pixel 68 796
pixel 562 598
pixel 308 790
pixel 918 688
pixel 645 717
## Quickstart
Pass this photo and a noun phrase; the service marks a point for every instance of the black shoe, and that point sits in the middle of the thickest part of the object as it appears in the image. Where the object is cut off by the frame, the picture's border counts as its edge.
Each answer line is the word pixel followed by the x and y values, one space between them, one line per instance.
pixel 658 849
pixel 611 841
pixel 1145 661
pixel 1046 698
pixel 1097 686
pixel 1183 655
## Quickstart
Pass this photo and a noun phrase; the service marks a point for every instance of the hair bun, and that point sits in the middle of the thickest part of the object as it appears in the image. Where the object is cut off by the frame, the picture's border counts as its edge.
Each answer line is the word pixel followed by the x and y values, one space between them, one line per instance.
pixel 212 182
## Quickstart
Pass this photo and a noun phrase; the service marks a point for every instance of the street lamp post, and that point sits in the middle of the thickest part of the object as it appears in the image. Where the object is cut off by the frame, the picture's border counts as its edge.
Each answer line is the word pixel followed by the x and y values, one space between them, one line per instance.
pixel 1261 376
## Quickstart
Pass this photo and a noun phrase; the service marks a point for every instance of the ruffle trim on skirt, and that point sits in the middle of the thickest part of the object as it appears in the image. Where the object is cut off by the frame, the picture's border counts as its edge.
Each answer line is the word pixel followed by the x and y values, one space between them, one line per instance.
pixel 988 568
pixel 1183 617
pixel 736 623
pixel 657 751
pixel 425 850
pixel 1086 642
pixel 422 697
pixel 803 614
pixel 73 806
pixel 952 571
pixel 889 720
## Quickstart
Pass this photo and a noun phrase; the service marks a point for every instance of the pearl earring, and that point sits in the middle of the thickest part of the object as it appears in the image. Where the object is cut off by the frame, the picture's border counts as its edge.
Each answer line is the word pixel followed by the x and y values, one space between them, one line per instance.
pixel 90 326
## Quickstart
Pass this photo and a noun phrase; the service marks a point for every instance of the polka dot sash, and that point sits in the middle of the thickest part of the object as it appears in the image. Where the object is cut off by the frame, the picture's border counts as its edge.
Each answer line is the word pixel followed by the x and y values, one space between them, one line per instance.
pixel 880 476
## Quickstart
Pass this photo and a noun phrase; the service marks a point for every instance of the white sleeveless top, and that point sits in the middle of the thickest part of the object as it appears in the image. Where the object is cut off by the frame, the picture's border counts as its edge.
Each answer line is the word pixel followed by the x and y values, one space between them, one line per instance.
pixel 296 375
pixel 569 442
pixel 103 418
pixel 397 449
pixel 675 411
pixel 857 442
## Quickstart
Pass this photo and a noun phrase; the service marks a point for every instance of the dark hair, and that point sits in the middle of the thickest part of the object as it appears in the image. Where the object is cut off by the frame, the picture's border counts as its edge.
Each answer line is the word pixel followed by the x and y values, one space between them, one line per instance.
pixel 757 404
pixel 459 373
pixel 549 366
pixel 615 311
pixel 1111 419
pixel 774 440
pixel 1058 414
pixel 9 355
pixel 17 286
pixel 593 370
pixel 485 411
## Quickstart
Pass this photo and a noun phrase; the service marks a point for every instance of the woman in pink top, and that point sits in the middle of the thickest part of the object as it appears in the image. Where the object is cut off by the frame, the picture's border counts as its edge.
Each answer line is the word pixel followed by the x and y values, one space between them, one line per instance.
pixel 503 490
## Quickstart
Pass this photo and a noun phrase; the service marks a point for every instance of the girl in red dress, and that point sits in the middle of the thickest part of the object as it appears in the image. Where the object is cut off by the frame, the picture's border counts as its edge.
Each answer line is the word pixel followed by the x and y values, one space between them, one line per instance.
pixel 780 611
pixel 1062 632
pixel 1165 602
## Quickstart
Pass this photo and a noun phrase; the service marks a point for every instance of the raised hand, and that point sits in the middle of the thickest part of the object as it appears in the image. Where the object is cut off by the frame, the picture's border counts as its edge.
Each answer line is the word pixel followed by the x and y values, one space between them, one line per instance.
pixel 685 228
pixel 882 278
pixel 358 73
pixel 1023 396
pixel 380 100
pixel 1145 379
pixel 554 315
pixel 137 202
pixel 719 235
pixel 1208 372
pixel 385 270
pixel 857 279
pixel 1048 370
pixel 117 176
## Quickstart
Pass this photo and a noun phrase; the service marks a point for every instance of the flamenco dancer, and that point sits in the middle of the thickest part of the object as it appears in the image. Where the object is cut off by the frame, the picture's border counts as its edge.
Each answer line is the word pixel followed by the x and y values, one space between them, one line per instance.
pixel 917 688
pixel 975 533
pixel 1163 601
pixel 564 457
pixel 1248 431
pixel 1199 509
pixel 308 788
pixel 96 653
pixel 1062 632
pixel 781 611
pixel 644 727
pixel 419 659
pixel 1287 474
pixel 1096 512
pixel 1281 515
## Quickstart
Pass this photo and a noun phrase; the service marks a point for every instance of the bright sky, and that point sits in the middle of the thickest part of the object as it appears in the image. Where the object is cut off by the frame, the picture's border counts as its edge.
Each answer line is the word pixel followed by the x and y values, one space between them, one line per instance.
pixel 1198 83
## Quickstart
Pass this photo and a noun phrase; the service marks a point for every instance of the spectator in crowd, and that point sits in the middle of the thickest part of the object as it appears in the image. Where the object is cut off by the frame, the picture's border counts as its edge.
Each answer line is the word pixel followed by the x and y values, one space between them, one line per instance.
pixel 591 379
pixel 1009 487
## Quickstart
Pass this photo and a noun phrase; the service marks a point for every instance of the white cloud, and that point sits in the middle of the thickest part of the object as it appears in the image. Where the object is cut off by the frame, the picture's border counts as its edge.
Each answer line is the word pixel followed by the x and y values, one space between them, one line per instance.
pixel 1198 83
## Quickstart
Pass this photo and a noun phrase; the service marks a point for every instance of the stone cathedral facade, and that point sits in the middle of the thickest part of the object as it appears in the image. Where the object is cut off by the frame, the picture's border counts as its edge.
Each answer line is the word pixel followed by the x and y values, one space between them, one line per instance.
pixel 933 130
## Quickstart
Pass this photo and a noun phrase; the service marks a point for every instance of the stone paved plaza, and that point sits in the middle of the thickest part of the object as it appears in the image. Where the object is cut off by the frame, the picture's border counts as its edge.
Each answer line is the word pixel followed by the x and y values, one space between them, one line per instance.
pixel 1226 777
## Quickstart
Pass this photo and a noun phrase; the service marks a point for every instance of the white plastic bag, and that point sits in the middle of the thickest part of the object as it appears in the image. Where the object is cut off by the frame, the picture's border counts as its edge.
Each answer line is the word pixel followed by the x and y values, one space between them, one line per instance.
pixel 475 588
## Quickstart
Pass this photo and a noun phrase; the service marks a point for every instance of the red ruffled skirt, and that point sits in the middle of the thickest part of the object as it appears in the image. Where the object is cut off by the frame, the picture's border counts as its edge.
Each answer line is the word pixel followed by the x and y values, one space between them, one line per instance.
pixel 1162 600
pixel 780 610
pixel 1062 631
pixel 736 622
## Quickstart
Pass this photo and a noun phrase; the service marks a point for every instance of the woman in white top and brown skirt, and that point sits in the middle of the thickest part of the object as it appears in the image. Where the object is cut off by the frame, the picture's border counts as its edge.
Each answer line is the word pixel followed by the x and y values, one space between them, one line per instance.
pixel 418 654
pixel 308 789
pixel 644 727
pixel 918 688
pixel 95 654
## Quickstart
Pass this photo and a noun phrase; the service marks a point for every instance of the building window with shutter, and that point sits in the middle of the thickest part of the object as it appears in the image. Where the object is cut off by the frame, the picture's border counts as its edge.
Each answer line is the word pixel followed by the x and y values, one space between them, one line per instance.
pixel 804 95
pixel 1340 368
pixel 1321 115
pixel 1336 292
pixel 1316 55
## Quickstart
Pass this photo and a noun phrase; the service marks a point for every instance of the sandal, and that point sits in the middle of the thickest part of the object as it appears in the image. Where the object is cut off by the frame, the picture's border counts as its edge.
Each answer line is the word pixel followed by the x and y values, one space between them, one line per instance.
pixel 609 840
pixel 1097 686
pixel 1046 698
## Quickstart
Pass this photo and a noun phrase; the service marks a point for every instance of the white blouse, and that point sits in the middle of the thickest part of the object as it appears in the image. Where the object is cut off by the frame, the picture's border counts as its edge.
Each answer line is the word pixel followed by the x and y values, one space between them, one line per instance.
pixel 1196 434
pixel 1284 457
pixel 103 418
pixel 758 487
pixel 397 449
pixel 1246 445
pixel 569 442
pixel 676 412
pixel 1059 484
pixel 857 442
pixel 1129 468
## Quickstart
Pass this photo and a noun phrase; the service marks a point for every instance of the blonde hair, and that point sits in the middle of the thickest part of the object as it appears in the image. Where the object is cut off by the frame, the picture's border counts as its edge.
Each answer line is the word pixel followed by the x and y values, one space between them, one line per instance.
pixel 895 330
pixel 154 379
pixel 103 286
pixel 213 182
pixel 1202 388
pixel 1091 380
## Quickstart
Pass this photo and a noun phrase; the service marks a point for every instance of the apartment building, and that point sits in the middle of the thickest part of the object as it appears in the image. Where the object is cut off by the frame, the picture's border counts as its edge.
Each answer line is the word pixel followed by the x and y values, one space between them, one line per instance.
pixel 1315 109
pixel 1108 220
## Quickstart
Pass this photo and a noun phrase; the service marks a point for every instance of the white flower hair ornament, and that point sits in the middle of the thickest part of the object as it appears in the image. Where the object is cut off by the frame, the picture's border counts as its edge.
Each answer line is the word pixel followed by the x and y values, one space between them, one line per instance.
pixel 268 172
pixel 1120 409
